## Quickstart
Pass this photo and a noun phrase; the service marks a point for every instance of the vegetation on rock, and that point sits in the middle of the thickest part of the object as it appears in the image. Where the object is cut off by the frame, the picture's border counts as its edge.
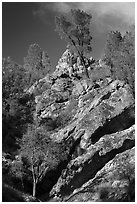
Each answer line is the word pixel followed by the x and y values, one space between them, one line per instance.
pixel 36 64
pixel 120 56
pixel 17 106
pixel 75 29
pixel 47 118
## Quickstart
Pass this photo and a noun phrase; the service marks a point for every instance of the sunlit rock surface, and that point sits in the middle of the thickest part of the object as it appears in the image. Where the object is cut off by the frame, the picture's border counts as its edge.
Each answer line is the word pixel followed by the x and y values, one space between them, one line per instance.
pixel 95 119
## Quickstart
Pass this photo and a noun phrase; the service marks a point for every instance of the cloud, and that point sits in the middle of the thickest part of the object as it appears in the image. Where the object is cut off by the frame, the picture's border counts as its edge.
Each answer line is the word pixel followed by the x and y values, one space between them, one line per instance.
pixel 59 7
pixel 106 15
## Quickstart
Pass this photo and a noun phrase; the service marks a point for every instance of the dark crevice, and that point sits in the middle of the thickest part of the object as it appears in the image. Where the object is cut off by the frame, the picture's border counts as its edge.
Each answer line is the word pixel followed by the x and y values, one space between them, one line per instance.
pixel 64 75
pixel 52 176
pixel 91 168
pixel 71 131
pixel 50 179
pixel 61 100
pixel 96 86
pixel 119 123
pixel 73 149
pixel 107 96
pixel 78 77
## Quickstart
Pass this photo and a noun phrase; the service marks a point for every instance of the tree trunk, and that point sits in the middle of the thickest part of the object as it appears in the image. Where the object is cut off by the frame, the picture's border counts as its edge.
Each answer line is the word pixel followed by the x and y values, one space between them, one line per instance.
pixel 80 55
pixel 83 63
pixel 22 182
pixel 34 188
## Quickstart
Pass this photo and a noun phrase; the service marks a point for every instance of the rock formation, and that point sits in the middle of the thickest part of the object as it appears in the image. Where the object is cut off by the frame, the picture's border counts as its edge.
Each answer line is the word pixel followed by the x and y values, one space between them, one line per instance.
pixel 95 118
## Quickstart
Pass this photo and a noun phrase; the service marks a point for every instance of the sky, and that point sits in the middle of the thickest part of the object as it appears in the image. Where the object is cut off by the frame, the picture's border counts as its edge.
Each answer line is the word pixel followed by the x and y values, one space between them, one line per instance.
pixel 25 23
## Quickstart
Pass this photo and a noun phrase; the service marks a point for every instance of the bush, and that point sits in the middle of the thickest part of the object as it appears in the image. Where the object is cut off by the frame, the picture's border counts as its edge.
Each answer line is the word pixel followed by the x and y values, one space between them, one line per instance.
pixel 120 56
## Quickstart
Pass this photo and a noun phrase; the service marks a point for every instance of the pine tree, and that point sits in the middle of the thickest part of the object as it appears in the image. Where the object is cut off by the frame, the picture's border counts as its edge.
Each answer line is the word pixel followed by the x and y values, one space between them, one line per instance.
pixel 14 114
pixel 75 29
pixel 36 64
pixel 119 54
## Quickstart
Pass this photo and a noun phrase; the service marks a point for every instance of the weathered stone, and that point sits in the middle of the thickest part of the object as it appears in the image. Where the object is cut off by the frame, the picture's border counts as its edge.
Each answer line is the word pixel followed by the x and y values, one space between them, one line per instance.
pixel 84 167
pixel 64 66
pixel 114 182
pixel 94 118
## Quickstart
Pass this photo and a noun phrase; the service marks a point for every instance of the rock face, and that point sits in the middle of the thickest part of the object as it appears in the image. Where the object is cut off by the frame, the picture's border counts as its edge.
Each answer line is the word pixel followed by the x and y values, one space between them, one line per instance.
pixel 111 183
pixel 105 163
pixel 95 119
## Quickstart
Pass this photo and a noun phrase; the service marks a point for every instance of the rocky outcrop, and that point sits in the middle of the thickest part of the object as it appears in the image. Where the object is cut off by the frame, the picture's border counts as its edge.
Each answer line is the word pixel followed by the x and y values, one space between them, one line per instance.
pixel 91 165
pixel 114 182
pixel 95 119
pixel 70 65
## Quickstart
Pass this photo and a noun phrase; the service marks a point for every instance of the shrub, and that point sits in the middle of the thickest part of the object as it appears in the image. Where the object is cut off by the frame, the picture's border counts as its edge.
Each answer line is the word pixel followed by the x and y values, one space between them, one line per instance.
pixel 120 56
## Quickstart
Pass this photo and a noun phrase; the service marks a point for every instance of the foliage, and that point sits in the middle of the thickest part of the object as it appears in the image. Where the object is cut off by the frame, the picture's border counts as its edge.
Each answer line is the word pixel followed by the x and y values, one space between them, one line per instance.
pixel 40 152
pixel 16 170
pixel 13 77
pixel 15 114
pixel 36 64
pixel 120 56
pixel 75 29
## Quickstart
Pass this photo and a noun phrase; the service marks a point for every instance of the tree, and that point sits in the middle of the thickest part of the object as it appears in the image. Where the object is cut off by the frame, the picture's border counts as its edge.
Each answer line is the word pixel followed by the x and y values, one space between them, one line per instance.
pixel 40 152
pixel 17 170
pixel 13 78
pixel 128 58
pixel 36 64
pixel 119 54
pixel 75 29
pixel 112 50
pixel 14 114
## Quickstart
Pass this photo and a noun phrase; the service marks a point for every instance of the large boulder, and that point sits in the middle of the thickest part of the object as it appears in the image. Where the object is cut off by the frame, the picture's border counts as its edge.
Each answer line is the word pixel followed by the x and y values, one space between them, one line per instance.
pixel 98 112
pixel 84 167
pixel 114 182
